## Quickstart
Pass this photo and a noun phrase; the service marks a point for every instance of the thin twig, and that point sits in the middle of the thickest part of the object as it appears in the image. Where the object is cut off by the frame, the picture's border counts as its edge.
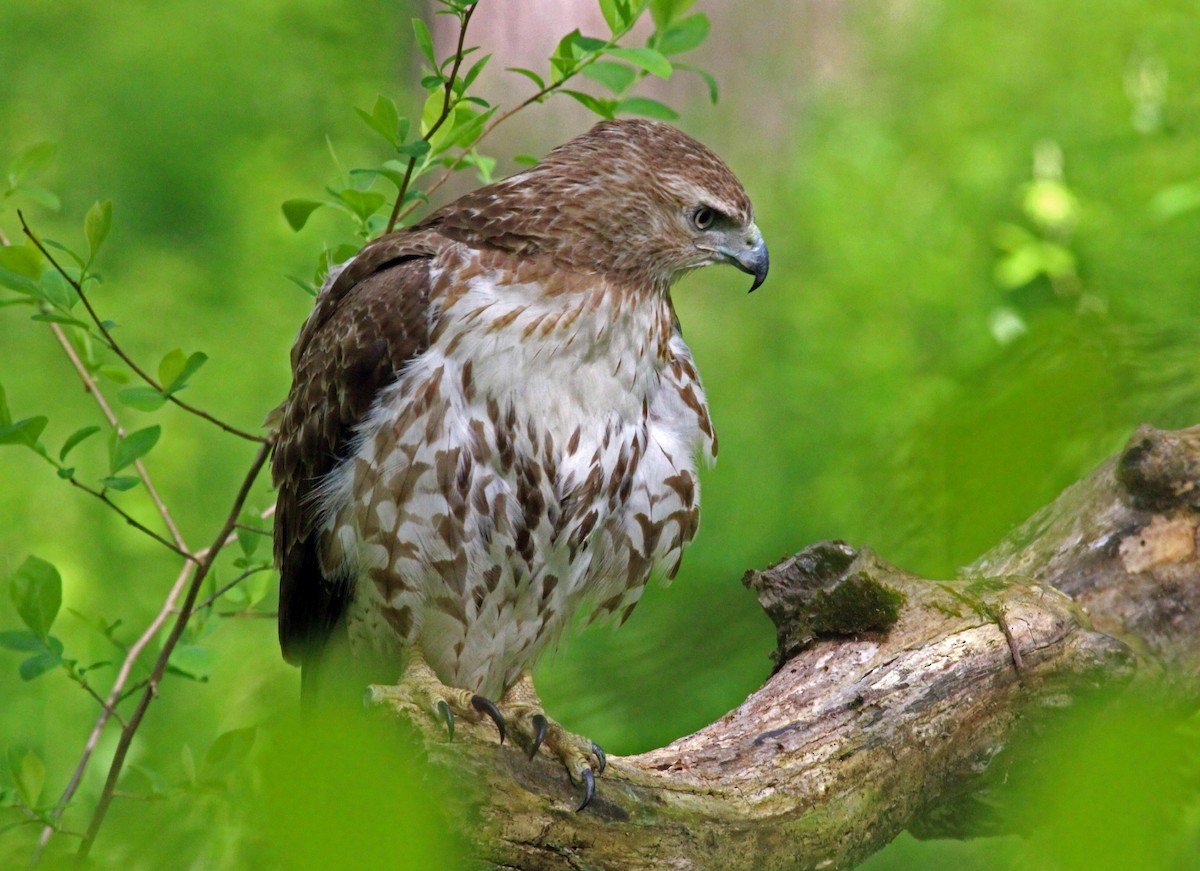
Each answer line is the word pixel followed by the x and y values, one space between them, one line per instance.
pixel 225 589
pixel 116 695
pixel 546 90
pixel 169 644
pixel 257 530
pixel 449 86
pixel 129 518
pixel 115 347
pixel 90 385
pixel 87 687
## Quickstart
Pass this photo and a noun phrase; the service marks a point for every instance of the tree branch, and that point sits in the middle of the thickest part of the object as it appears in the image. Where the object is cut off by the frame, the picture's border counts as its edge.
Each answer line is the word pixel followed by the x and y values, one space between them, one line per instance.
pixel 160 665
pixel 885 710
pixel 116 348
pixel 90 385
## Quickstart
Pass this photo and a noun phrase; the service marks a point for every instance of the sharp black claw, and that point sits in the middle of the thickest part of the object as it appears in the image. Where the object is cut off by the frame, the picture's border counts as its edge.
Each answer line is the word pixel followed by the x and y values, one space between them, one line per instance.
pixel 541 724
pixel 487 706
pixel 589 789
pixel 599 754
pixel 447 715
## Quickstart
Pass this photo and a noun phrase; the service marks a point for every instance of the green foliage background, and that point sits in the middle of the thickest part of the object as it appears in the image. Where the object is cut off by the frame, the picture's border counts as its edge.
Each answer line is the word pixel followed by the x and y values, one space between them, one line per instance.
pixel 910 377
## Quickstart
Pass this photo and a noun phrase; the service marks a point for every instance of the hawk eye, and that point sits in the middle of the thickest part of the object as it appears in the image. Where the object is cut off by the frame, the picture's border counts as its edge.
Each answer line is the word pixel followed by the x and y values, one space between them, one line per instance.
pixel 703 218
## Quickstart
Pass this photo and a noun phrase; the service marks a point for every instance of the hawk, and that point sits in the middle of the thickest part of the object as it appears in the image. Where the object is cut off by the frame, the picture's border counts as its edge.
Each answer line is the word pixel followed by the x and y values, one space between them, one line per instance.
pixel 494 424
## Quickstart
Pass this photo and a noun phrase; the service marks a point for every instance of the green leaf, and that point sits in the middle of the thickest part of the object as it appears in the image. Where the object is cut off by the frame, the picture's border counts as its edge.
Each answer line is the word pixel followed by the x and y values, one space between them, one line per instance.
pixel 19 283
pixel 21 640
pixel 664 12
pixel 22 259
pixel 649 108
pixel 362 203
pixel 424 41
pixel 248 541
pixel 565 57
pixel 529 74
pixel 115 374
pixel 75 438
pixel 120 483
pixel 30 162
pixel 684 35
pixel 5 414
pixel 298 212
pixel 467 125
pixel 37 593
pixel 55 290
pixel 709 79
pixel 24 432
pixel 30 774
pixel 587 44
pixel 96 225
pixel 228 751
pixel 616 77
pixel 603 108
pixel 384 118
pixel 175 369
pixel 40 195
pixel 142 398
pixel 474 71
pixel 57 318
pixel 191 660
pixel 133 447
pixel 417 149
pixel 616 14
pixel 645 58
pixel 526 159
pixel 40 663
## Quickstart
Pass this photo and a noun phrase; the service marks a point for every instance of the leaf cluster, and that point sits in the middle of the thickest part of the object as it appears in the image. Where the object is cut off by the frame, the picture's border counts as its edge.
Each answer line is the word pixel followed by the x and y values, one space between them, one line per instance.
pixel 453 121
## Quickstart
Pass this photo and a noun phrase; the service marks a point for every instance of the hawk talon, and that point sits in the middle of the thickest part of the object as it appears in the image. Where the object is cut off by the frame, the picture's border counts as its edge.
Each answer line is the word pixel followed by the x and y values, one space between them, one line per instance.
pixel 598 752
pixel 589 789
pixel 448 715
pixel 541 724
pixel 487 706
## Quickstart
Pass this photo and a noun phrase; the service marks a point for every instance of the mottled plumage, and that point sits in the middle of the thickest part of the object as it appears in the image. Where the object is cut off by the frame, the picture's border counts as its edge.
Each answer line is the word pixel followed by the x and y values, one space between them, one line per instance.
pixel 493 419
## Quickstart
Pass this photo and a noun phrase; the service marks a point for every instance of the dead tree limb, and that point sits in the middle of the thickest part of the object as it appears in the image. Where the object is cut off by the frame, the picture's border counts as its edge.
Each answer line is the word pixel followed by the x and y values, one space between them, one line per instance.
pixel 892 694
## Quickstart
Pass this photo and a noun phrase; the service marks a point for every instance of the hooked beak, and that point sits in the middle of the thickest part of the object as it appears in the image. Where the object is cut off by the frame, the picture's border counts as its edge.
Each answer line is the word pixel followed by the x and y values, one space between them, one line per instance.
pixel 749 254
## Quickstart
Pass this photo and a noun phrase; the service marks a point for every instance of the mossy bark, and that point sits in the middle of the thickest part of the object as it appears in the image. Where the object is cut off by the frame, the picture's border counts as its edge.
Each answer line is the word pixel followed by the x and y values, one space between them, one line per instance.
pixel 893 695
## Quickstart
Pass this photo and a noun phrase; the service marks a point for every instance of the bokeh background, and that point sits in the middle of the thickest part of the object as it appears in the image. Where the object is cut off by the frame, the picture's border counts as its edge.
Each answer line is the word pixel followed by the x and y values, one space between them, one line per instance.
pixel 984 220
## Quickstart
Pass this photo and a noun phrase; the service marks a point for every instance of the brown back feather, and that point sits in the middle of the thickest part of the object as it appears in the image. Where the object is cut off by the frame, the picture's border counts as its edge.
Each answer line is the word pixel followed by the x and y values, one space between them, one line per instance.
pixel 366 326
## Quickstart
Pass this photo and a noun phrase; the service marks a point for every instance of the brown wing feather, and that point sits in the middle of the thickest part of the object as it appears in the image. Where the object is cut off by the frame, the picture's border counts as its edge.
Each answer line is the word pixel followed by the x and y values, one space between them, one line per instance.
pixel 373 319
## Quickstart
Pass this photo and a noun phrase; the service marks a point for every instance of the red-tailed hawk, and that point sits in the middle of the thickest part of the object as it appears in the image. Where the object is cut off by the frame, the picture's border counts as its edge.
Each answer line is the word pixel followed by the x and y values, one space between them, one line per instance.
pixel 494 420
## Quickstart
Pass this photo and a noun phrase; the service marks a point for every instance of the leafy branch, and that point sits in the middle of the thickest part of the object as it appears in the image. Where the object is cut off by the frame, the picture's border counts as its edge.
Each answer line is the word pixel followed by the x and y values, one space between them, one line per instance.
pixel 448 85
pixel 454 118
pixel 150 692
pixel 97 231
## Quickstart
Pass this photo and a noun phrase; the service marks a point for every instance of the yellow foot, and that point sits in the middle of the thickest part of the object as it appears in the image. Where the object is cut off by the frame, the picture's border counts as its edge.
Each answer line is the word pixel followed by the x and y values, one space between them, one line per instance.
pixel 532 730
pixel 420 689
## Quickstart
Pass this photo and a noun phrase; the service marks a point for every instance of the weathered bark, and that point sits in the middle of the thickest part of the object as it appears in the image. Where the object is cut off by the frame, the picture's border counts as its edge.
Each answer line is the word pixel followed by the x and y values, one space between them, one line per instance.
pixel 892 694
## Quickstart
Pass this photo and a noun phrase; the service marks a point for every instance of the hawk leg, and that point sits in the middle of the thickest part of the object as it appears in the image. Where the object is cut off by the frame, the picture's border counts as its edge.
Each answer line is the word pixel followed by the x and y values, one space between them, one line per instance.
pixel 419 687
pixel 532 730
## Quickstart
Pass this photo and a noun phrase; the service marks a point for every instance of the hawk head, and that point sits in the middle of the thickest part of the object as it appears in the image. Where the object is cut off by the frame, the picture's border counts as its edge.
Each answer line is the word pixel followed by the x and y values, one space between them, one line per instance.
pixel 637 200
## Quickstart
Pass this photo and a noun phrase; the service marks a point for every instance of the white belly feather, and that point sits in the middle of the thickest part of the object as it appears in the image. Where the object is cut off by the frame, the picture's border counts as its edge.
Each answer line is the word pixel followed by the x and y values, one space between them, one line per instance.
pixel 528 464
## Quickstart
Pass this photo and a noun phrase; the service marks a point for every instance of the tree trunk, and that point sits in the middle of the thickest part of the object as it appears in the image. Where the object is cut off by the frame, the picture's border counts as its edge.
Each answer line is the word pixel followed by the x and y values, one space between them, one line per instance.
pixel 893 695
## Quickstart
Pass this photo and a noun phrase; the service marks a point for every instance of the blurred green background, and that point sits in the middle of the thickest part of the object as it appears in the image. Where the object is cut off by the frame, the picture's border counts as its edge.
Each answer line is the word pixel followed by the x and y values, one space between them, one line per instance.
pixel 983 220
